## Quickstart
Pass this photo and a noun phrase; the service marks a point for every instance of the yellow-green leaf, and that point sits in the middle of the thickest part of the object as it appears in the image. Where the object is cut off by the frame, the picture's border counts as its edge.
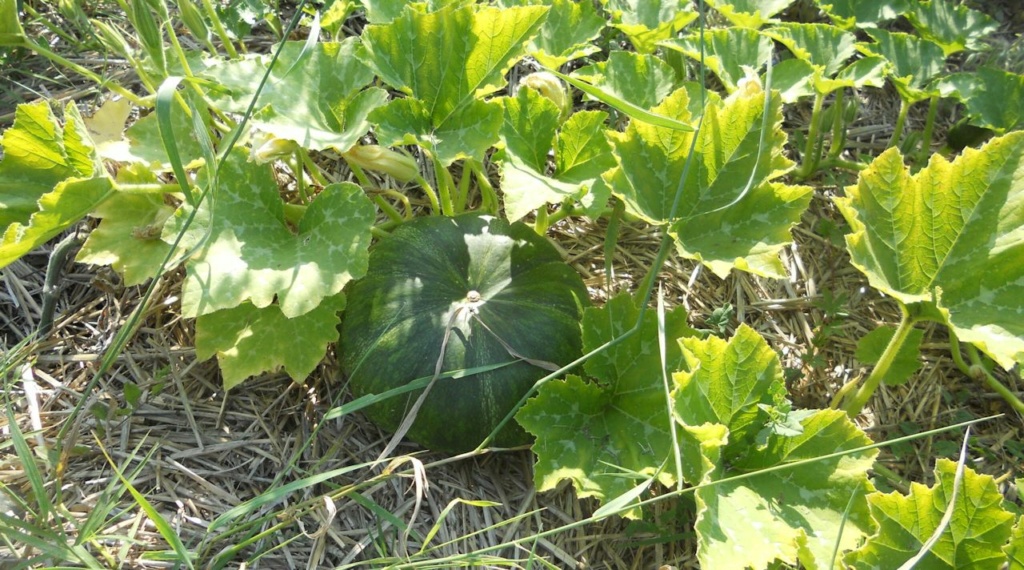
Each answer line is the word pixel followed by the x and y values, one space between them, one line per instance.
pixel 950 236
pixel 50 178
pixel 978 530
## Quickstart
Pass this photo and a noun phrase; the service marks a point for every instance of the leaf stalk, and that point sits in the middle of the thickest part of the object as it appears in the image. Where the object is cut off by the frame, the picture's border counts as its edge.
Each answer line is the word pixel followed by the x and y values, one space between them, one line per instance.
pixel 859 399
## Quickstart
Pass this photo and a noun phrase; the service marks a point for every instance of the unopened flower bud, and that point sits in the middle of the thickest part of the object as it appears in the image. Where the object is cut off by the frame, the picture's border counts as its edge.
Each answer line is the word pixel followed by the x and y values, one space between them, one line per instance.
pixel 551 87
pixel 750 83
pixel 268 148
pixel 399 166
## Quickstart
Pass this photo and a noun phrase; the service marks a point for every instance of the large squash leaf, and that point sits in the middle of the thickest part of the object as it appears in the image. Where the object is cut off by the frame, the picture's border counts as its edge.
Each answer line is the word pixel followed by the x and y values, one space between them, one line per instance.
pixel 128 237
pixel 530 131
pixel 315 95
pixel 50 178
pixel 646 22
pixel 914 62
pixel 818 44
pixel 445 61
pixel 953 26
pixel 253 255
pixel 248 340
pixel 950 236
pixel 643 80
pixel 786 515
pixel 848 14
pixel 728 52
pixel 974 539
pixel 993 98
pixel 605 435
pixel 567 31
pixel 750 13
pixel 732 212
pixel 730 383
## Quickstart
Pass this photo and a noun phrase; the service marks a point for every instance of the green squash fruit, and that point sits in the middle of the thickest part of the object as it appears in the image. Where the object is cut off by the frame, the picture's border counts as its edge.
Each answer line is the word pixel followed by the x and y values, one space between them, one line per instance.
pixel 485 271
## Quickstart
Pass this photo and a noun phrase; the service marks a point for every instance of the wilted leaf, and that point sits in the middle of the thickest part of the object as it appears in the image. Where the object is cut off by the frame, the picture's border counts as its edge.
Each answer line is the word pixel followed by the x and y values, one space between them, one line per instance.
pixel 974 538
pixel 948 236
pixel 253 255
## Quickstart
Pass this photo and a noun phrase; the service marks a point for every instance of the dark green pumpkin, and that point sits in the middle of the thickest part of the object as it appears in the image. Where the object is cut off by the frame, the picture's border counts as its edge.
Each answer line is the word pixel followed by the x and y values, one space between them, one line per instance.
pixel 396 316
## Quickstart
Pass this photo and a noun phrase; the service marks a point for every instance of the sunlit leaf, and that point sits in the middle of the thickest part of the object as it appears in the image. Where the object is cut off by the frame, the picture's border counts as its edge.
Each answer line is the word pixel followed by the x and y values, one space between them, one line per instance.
pixel 819 44
pixel 252 254
pixel 789 515
pixel 1014 549
pixel 597 433
pixel 315 97
pixel 994 98
pixel 948 236
pixel 249 341
pixel 727 383
pixel 566 33
pixel 530 131
pixel 728 52
pixel 642 80
pixel 128 237
pixel 973 540
pixel 50 178
pixel 750 13
pixel 646 22
pixel 446 61
pixel 848 14
pixel 914 61
pixel 730 186
pixel 953 26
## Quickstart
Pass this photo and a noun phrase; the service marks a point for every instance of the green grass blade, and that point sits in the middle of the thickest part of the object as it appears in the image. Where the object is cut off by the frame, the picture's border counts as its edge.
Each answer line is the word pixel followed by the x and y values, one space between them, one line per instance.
pixel 162 526
pixel 279 493
pixel 28 464
pixel 165 97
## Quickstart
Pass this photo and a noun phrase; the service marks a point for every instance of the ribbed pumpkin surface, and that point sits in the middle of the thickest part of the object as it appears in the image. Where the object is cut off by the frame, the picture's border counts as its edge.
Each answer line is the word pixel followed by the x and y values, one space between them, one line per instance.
pixel 396 316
